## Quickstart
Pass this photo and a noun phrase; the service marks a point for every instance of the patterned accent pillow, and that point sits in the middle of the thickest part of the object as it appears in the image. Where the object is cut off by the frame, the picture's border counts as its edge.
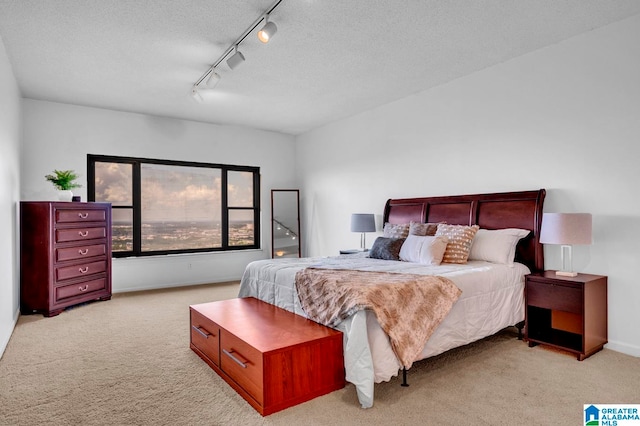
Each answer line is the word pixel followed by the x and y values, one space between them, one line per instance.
pixel 460 239
pixel 392 230
pixel 386 248
pixel 422 229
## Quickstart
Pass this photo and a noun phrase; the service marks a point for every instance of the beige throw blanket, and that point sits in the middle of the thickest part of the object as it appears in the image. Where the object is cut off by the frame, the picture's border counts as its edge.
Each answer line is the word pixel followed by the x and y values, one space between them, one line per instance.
pixel 408 307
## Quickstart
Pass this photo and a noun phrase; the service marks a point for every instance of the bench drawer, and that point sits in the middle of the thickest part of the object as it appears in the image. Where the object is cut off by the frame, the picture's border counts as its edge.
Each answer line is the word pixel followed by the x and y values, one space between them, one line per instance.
pixel 205 336
pixel 242 363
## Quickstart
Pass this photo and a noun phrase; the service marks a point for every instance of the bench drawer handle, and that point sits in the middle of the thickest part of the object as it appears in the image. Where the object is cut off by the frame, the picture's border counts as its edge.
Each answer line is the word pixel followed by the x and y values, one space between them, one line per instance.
pixel 83 252
pixel 83 234
pixel 230 355
pixel 85 288
pixel 205 335
pixel 83 215
pixel 83 270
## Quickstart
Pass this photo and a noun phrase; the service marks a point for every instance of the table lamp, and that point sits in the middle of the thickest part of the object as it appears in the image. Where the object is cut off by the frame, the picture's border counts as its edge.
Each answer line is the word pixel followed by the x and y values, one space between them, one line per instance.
pixel 566 229
pixel 363 222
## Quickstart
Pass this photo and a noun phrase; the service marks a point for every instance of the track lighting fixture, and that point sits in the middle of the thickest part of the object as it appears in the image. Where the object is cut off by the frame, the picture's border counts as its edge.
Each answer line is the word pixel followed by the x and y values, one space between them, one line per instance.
pixel 235 59
pixel 233 56
pixel 287 231
pixel 267 31
pixel 213 79
pixel 196 94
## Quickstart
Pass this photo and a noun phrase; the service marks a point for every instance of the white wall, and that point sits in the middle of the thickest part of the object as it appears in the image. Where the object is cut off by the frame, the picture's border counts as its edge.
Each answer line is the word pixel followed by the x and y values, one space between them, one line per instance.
pixel 565 118
pixel 59 136
pixel 9 195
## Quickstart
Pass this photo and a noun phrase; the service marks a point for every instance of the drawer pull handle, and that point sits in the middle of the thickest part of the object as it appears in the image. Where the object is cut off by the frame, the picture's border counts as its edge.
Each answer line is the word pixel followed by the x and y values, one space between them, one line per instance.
pixel 83 234
pixel 205 335
pixel 83 252
pixel 230 355
pixel 83 215
pixel 86 287
pixel 83 271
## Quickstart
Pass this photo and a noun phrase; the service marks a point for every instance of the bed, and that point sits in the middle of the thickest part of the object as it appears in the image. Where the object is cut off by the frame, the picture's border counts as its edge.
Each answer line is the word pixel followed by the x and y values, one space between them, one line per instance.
pixel 491 296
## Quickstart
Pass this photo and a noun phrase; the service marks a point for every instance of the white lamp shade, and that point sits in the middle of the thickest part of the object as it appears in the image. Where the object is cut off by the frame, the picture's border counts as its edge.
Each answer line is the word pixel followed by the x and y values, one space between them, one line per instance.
pixel 566 228
pixel 363 222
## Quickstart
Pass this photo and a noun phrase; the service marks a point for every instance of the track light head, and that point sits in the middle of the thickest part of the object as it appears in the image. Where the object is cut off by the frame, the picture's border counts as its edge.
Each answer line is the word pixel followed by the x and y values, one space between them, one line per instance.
pixel 213 79
pixel 196 95
pixel 235 59
pixel 267 31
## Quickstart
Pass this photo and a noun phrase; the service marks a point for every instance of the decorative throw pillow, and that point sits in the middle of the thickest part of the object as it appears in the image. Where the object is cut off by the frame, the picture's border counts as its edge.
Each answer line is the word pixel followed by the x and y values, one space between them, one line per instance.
pixel 386 248
pixel 417 228
pixel 426 249
pixel 497 246
pixel 393 230
pixel 460 239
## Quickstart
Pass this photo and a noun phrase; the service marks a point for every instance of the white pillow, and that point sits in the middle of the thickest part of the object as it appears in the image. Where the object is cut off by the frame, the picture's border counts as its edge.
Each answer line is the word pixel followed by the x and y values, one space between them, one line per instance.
pixel 497 246
pixel 427 250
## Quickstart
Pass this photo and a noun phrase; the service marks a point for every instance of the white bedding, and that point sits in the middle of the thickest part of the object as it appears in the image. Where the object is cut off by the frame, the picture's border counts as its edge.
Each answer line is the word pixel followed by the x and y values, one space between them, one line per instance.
pixel 492 299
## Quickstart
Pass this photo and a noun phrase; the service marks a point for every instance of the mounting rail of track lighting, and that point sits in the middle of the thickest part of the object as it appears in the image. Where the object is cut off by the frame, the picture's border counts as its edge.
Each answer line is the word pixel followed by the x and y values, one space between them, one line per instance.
pixel 234 57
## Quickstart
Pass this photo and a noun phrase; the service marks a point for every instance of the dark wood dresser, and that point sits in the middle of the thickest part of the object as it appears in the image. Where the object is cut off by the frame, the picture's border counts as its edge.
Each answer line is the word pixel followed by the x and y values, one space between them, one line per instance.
pixel 65 255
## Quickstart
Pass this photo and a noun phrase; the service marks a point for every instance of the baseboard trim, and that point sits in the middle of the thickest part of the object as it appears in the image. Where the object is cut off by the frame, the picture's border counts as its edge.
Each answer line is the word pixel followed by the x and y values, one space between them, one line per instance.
pixel 173 285
pixel 5 342
pixel 624 348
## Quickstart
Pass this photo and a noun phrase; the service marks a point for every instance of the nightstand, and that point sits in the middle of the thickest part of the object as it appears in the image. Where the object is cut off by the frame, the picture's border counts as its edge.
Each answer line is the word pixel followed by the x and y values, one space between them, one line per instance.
pixel 569 313
pixel 353 251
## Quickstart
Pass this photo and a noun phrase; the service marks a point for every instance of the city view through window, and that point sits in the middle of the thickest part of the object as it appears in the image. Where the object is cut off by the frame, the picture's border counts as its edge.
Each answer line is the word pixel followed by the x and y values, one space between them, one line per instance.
pixel 180 206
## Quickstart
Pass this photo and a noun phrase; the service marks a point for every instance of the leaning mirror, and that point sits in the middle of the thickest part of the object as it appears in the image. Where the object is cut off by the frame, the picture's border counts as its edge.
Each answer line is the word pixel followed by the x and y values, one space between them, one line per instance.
pixel 285 223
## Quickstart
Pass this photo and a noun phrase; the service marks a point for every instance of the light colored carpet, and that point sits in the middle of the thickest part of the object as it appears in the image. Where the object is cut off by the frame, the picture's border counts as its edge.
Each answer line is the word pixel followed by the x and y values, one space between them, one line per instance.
pixel 127 362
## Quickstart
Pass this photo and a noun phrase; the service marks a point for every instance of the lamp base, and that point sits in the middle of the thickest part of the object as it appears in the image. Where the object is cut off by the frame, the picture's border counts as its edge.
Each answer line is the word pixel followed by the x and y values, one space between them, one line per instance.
pixel 567 274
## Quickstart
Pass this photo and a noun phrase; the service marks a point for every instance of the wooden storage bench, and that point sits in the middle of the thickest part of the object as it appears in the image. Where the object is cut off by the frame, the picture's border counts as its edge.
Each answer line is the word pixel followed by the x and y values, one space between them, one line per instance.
pixel 273 358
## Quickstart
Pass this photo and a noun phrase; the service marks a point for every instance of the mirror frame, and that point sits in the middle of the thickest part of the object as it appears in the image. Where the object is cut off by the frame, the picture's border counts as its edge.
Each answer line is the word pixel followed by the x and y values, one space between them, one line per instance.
pixel 297 194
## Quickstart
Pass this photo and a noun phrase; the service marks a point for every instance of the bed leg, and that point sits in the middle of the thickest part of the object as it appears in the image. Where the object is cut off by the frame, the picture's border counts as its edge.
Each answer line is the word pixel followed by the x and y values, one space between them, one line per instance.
pixel 404 377
pixel 520 326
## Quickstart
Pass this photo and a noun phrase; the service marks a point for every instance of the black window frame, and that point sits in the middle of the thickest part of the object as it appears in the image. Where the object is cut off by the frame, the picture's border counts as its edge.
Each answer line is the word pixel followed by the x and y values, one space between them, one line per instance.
pixel 136 163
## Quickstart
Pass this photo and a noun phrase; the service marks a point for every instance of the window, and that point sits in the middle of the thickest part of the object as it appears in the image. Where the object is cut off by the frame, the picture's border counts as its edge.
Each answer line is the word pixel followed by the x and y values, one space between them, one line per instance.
pixel 162 207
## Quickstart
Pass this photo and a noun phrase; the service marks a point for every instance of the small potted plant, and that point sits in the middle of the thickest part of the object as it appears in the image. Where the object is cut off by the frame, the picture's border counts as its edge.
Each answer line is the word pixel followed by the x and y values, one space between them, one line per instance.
pixel 64 181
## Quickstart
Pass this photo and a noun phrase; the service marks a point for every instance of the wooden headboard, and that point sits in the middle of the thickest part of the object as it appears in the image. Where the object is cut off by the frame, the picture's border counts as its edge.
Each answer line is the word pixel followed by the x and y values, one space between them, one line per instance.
pixel 521 210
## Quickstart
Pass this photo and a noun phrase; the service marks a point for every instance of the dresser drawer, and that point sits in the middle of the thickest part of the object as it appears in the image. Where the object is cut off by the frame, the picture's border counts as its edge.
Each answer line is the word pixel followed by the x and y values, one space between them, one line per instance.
pixel 80 215
pixel 243 363
pixel 73 290
pixel 554 296
pixel 80 234
pixel 205 336
pixel 80 270
pixel 81 252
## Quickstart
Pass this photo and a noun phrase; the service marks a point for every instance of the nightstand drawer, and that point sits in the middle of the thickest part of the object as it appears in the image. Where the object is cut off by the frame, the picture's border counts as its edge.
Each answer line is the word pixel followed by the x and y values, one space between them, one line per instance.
pixel 242 363
pixel 205 336
pixel 80 234
pixel 83 269
pixel 79 289
pixel 72 253
pixel 554 296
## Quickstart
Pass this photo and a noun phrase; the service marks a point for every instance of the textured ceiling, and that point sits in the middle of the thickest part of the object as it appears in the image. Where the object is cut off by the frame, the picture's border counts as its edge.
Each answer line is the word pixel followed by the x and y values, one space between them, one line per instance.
pixel 330 58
